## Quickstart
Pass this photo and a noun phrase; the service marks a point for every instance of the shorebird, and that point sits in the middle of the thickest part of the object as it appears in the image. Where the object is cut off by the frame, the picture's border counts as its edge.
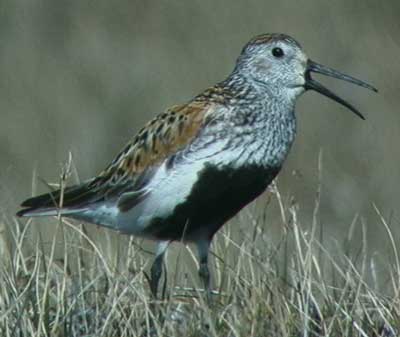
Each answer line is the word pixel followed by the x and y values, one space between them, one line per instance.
pixel 194 166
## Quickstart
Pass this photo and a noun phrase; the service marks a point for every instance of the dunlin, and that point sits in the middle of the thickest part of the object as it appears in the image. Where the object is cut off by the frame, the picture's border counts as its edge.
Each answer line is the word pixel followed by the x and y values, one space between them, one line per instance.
pixel 196 165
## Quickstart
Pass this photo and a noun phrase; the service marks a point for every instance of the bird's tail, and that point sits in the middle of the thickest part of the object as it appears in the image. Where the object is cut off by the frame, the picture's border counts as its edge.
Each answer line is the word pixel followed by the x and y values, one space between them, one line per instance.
pixel 68 201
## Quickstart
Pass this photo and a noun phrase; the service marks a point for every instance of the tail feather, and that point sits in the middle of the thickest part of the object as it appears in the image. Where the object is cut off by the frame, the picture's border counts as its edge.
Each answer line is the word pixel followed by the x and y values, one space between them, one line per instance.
pixel 38 212
pixel 48 204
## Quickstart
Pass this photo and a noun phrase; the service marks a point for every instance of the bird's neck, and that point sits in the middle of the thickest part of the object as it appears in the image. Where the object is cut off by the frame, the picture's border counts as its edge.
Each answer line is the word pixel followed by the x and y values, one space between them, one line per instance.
pixel 261 121
pixel 250 124
pixel 249 90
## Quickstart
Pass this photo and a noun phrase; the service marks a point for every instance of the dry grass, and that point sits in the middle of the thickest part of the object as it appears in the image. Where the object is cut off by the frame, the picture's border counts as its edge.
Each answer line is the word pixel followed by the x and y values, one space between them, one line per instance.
pixel 291 287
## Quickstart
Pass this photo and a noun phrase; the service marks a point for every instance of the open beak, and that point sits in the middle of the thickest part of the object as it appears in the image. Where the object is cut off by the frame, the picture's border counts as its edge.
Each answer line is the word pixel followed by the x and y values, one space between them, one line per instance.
pixel 312 84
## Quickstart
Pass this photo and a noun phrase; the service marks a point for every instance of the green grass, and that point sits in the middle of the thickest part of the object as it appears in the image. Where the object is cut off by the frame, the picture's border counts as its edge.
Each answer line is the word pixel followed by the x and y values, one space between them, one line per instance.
pixel 292 286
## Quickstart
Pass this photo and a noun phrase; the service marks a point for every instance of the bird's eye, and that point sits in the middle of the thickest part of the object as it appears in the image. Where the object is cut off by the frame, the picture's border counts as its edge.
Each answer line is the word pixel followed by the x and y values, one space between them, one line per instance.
pixel 277 52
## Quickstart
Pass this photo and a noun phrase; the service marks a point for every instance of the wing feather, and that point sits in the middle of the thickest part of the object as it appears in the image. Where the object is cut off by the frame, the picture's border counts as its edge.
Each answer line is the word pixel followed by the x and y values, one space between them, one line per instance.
pixel 129 173
pixel 158 139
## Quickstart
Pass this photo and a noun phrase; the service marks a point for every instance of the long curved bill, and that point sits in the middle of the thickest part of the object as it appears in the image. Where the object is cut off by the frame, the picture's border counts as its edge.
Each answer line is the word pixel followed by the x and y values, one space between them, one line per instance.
pixel 312 84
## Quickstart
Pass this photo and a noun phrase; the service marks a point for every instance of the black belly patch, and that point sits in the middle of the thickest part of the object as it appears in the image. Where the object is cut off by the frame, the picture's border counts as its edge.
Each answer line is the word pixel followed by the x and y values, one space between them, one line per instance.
pixel 216 197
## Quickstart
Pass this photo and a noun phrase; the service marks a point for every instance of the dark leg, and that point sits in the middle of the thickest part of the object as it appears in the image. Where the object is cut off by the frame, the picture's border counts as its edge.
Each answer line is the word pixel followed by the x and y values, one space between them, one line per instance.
pixel 157 267
pixel 204 273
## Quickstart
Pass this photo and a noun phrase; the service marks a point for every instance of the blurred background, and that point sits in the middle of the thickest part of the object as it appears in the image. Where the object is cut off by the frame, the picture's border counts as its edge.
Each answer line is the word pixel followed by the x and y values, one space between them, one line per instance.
pixel 84 76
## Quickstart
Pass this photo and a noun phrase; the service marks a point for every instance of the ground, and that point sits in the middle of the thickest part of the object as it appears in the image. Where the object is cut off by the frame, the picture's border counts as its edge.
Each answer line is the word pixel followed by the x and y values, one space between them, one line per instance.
pixel 262 287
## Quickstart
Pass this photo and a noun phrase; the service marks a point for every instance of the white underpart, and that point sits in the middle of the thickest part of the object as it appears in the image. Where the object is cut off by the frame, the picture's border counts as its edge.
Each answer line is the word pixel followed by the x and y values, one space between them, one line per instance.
pixel 105 215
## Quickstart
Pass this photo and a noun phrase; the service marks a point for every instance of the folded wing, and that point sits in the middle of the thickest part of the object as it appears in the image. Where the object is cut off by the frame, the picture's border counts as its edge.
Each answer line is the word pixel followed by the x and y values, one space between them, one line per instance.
pixel 125 179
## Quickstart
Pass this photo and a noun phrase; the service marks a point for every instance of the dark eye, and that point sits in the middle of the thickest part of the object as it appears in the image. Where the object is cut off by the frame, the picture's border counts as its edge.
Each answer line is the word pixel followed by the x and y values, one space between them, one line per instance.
pixel 277 52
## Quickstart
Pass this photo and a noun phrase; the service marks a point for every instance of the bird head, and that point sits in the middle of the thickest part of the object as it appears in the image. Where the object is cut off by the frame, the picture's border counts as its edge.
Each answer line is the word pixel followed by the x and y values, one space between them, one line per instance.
pixel 278 63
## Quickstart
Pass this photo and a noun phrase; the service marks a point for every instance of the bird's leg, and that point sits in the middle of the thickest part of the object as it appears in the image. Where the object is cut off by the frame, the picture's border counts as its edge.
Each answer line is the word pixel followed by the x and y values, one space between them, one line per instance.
pixel 204 273
pixel 157 267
